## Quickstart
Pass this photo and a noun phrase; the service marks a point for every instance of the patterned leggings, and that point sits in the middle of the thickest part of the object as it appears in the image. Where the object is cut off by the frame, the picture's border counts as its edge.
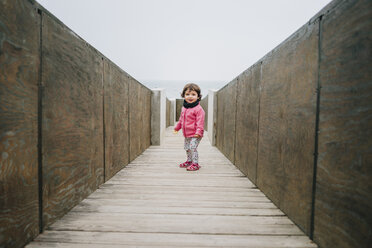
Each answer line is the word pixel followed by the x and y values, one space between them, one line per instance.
pixel 191 145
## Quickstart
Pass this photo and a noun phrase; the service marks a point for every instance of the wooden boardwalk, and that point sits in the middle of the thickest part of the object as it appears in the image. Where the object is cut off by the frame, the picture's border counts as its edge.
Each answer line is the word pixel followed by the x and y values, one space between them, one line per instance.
pixel 154 203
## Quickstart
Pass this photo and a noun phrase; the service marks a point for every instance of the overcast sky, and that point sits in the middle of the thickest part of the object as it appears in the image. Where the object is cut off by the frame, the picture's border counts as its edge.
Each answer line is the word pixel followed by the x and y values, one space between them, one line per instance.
pixel 184 40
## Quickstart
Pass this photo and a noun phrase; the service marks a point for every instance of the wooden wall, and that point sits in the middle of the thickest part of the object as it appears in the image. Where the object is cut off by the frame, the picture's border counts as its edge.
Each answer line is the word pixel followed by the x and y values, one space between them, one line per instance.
pixel 247 109
pixel 226 116
pixel 116 121
pixel 19 79
pixel 287 124
pixel 70 120
pixel 139 118
pixel 343 199
pixel 298 123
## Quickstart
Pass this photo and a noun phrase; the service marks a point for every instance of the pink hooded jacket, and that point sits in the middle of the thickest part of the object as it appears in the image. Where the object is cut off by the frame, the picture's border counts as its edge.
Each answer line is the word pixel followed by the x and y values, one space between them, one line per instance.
pixel 191 121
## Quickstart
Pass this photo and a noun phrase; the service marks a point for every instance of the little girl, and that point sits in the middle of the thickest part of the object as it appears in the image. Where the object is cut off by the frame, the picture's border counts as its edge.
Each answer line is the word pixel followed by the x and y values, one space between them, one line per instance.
pixel 192 123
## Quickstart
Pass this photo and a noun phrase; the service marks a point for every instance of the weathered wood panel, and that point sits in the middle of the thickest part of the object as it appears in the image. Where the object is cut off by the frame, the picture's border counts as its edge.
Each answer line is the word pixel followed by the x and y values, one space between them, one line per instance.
pixel 172 113
pixel 287 124
pixel 204 104
pixel 179 104
pixel 167 114
pixel 116 99
pixel 74 239
pixel 146 118
pixel 343 194
pixel 139 118
pixel 226 111
pixel 72 119
pixel 19 76
pixel 248 96
pixel 135 123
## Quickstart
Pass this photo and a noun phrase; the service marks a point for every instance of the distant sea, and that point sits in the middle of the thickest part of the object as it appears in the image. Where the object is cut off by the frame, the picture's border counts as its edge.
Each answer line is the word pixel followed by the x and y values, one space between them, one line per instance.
pixel 173 88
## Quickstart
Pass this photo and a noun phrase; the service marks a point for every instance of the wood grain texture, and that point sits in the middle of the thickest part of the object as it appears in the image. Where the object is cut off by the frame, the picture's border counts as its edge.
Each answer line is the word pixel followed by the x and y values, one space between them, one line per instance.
pixel 146 118
pixel 287 124
pixel 204 104
pixel 247 115
pixel 168 112
pixel 72 119
pixel 226 117
pixel 19 76
pixel 344 188
pixel 116 99
pixel 135 123
pixel 139 118
pixel 179 103
pixel 166 206
pixel 113 239
pixel 172 114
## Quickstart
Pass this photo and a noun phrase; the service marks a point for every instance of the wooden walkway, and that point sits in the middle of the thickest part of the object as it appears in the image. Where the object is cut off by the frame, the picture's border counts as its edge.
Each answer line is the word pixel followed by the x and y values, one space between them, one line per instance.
pixel 154 203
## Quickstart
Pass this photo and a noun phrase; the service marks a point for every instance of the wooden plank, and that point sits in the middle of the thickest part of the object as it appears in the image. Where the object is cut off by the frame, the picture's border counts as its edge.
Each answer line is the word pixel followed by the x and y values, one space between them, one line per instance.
pixel 287 121
pixel 247 114
pixel 175 223
pixel 181 202
pixel 131 189
pixel 174 240
pixel 116 94
pixel 97 217
pixel 177 189
pixel 226 111
pixel 343 200
pixel 176 171
pixel 72 115
pixel 19 77
pixel 175 197
pixel 177 210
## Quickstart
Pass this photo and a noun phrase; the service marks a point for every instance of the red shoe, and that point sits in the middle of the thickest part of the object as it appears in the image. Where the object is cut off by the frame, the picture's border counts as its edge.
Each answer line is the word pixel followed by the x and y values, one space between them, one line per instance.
pixel 193 167
pixel 185 164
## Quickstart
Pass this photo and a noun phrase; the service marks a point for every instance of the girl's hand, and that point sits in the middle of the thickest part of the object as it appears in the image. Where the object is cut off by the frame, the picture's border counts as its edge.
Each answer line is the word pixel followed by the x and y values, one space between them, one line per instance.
pixel 197 136
pixel 175 132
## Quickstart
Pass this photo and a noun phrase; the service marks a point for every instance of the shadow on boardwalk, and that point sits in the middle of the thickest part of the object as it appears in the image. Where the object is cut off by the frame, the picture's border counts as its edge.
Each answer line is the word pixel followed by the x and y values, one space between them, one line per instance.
pixel 154 203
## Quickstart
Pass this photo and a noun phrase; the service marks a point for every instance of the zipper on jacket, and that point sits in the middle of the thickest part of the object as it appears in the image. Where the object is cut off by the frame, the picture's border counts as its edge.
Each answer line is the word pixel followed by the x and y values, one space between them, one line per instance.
pixel 184 123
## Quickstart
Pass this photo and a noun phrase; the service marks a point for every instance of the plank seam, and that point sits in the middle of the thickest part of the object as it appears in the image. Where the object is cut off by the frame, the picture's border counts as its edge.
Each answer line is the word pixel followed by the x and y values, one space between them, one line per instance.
pixel 191 233
pixel 40 121
pixel 129 139
pixel 258 123
pixel 316 140
pixel 103 120
pixel 236 117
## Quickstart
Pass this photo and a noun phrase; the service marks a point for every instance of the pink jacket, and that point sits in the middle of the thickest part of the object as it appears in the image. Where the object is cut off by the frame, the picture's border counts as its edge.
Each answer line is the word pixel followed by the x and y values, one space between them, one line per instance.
pixel 191 121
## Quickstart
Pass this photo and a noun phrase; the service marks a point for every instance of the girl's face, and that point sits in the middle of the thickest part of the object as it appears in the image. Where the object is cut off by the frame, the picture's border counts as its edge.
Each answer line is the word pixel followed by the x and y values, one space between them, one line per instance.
pixel 191 96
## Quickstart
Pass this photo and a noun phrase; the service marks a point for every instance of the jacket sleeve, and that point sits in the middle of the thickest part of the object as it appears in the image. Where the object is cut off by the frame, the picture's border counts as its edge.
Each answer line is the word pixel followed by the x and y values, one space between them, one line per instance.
pixel 179 123
pixel 200 115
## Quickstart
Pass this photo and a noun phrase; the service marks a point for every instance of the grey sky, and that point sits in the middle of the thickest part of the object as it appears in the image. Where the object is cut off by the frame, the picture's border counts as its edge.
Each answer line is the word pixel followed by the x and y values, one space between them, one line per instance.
pixel 183 40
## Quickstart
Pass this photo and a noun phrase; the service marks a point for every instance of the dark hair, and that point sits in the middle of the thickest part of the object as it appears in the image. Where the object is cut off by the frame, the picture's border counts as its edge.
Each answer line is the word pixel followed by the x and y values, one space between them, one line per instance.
pixel 193 87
